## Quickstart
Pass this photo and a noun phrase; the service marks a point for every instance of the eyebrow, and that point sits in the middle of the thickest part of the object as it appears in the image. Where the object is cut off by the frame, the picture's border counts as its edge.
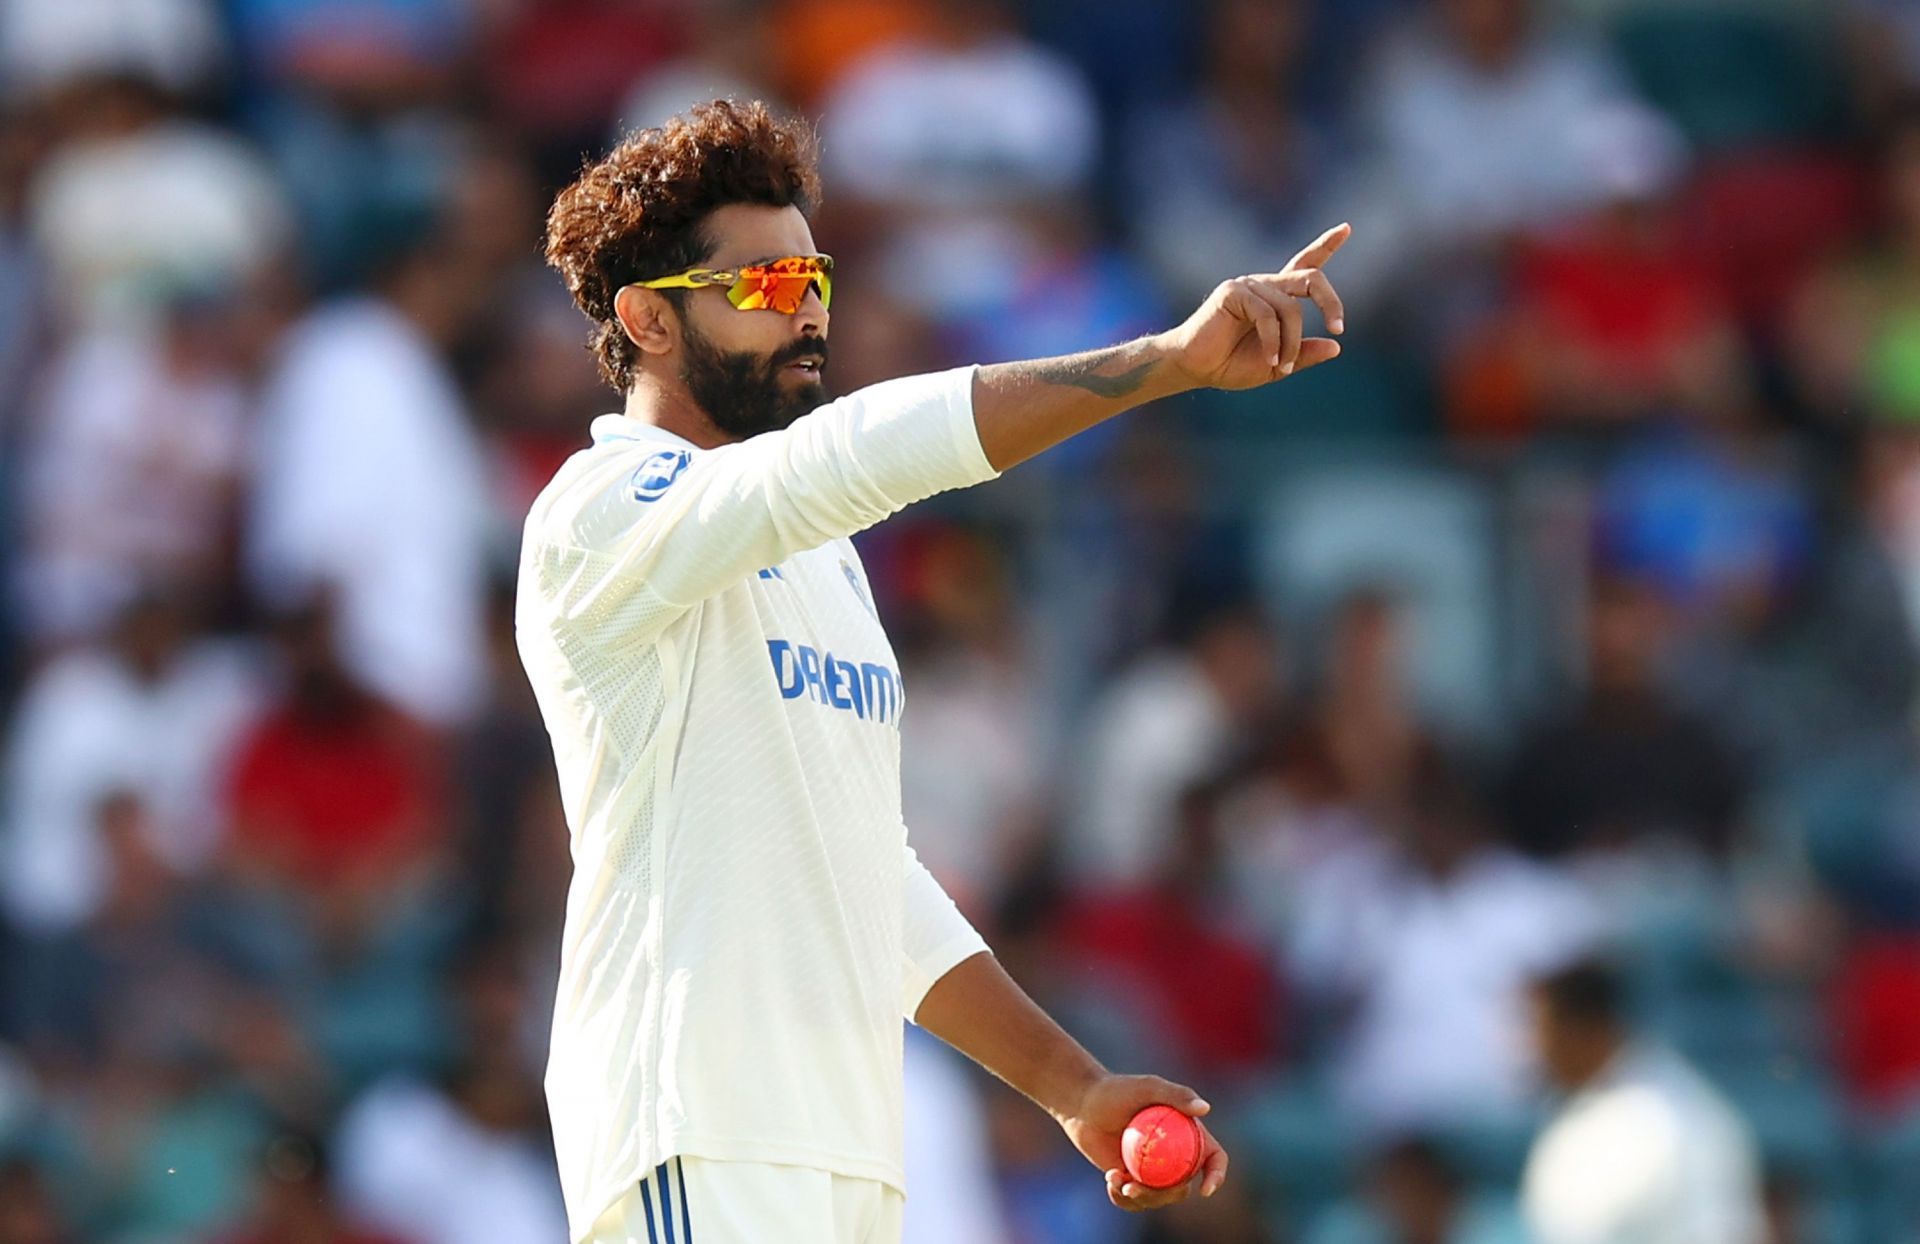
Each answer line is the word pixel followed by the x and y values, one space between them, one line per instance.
pixel 748 263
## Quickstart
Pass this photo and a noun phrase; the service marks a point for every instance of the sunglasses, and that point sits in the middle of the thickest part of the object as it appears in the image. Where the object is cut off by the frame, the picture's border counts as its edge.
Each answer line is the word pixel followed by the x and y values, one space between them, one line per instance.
pixel 776 285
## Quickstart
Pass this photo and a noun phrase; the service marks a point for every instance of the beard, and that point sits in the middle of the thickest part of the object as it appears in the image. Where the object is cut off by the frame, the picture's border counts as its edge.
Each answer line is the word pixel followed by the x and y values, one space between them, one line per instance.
pixel 745 394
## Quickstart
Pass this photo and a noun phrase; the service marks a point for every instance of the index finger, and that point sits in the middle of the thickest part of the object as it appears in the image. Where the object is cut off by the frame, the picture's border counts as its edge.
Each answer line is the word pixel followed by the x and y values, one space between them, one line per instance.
pixel 1322 247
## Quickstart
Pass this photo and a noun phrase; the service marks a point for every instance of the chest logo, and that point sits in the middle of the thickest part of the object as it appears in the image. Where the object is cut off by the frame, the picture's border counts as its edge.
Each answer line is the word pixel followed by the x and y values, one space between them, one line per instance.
pixel 869 691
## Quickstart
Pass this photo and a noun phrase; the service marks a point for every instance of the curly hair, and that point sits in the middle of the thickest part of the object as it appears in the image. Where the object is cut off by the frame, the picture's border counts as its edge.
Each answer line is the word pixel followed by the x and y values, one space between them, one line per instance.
pixel 640 212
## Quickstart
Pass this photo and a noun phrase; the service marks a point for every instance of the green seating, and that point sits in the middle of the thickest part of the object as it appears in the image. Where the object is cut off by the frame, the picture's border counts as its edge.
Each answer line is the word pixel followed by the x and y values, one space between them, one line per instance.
pixel 1734 79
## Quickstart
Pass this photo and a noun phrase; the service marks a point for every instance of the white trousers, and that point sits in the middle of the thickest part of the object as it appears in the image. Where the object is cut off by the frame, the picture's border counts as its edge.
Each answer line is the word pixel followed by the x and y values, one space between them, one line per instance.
pixel 698 1201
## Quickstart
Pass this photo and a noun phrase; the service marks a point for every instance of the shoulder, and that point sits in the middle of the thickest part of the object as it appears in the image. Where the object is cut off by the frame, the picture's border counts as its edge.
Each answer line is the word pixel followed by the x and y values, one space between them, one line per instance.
pixel 606 487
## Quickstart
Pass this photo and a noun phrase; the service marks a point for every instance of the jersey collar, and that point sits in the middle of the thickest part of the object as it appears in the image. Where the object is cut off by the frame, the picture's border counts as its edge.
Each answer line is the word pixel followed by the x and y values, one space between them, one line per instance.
pixel 620 428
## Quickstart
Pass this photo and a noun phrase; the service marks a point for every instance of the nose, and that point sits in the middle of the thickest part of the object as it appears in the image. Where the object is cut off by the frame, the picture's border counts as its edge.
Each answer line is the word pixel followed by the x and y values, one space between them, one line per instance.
pixel 812 316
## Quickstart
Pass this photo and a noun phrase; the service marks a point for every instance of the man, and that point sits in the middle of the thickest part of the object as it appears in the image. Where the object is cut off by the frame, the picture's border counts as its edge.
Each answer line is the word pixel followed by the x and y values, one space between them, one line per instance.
pixel 1644 1151
pixel 747 924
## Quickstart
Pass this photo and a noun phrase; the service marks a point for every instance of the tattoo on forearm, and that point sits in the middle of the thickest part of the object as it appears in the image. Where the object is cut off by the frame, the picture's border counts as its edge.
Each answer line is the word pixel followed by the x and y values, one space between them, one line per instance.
pixel 1082 371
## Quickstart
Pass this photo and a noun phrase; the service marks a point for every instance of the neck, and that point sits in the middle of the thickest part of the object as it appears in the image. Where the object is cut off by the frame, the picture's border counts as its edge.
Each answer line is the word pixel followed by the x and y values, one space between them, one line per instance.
pixel 672 409
pixel 1599 1056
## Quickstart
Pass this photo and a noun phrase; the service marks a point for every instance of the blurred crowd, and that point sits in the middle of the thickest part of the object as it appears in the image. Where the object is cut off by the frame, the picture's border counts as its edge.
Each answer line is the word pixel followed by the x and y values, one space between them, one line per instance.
pixel 1278 741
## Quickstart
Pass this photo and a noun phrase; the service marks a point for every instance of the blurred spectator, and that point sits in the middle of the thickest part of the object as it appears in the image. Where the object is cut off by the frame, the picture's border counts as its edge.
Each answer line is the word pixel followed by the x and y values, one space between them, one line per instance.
pixel 1138 556
pixel 336 798
pixel 1288 819
pixel 1159 727
pixel 123 984
pixel 1798 643
pixel 1223 1023
pixel 1364 710
pixel 1875 1016
pixel 350 99
pixel 370 479
pixel 1857 336
pixel 1027 934
pixel 1105 39
pixel 513 847
pixel 295 1204
pixel 815 43
pixel 354 53
pixel 139 200
pixel 1068 292
pixel 1711 513
pixel 167 1146
pixel 1028 126
pixel 1230 1216
pixel 1073 293
pixel 728 54
pixel 177 45
pixel 1224 181
pixel 1414 1195
pixel 1644 1150
pixel 949 140
pixel 559 68
pixel 947 1160
pixel 1425 944
pixel 1028 129
pixel 1475 111
pixel 467 1158
pixel 1043 1181
pixel 133 466
pixel 1613 315
pixel 973 826
pixel 1856 346
pixel 1625 764
pixel 156 1058
pixel 536 390
pixel 158 713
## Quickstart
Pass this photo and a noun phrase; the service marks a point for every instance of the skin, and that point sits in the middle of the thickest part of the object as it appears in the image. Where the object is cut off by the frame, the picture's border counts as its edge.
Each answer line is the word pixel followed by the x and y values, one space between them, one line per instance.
pixel 1571 1053
pixel 743 233
pixel 1247 333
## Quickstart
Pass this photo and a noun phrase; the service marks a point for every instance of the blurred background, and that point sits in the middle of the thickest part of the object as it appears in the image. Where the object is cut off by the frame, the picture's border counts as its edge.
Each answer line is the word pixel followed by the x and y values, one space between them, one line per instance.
pixel 1275 739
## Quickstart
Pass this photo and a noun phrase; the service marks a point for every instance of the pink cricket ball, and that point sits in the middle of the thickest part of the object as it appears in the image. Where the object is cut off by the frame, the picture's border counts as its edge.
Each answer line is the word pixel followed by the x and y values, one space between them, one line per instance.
pixel 1161 1147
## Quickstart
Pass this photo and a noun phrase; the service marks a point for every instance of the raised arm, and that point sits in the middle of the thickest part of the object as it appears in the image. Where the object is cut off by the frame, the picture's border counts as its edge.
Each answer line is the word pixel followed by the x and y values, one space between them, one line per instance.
pixel 1247 333
pixel 665 529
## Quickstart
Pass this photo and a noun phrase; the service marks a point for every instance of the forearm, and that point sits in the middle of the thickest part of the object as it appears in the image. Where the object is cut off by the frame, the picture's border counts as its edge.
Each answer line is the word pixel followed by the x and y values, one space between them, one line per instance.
pixel 1023 408
pixel 979 1010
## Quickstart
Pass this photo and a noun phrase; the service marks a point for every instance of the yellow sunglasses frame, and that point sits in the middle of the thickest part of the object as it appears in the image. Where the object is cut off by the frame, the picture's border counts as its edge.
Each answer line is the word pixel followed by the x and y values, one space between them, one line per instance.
pixel 741 285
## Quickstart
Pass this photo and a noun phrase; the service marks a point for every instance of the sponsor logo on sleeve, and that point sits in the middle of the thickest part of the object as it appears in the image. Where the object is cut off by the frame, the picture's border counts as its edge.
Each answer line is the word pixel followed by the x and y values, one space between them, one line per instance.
pixel 651 479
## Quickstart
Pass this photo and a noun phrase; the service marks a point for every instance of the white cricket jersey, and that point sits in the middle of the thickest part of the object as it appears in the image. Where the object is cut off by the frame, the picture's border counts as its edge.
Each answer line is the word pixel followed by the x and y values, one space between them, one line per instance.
pixel 747 925
pixel 1650 1153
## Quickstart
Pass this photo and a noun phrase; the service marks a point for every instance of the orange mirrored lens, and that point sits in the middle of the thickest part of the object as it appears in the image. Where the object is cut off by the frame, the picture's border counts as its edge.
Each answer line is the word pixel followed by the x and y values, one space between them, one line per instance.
pixel 781 285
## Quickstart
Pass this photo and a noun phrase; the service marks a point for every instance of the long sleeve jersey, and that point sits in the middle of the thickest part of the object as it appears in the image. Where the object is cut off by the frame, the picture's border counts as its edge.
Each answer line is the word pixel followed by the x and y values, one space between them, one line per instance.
pixel 746 925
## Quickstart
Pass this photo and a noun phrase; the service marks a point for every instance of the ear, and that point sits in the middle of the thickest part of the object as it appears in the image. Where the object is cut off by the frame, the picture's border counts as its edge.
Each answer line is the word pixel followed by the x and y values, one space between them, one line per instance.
pixel 643 314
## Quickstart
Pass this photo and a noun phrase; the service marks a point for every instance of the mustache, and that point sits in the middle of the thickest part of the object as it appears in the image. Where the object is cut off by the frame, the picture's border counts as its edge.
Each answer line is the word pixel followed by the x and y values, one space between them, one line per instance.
pixel 806 348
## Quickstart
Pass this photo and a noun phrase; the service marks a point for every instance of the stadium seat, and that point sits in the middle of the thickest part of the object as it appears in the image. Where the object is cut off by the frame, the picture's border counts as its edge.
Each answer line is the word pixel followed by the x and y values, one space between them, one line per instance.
pixel 1292 1138
pixel 1734 78
pixel 1367 396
